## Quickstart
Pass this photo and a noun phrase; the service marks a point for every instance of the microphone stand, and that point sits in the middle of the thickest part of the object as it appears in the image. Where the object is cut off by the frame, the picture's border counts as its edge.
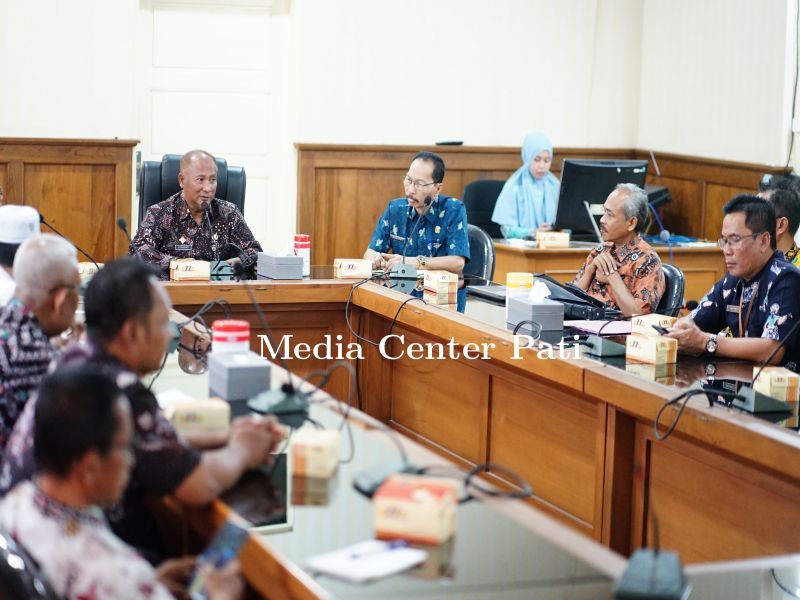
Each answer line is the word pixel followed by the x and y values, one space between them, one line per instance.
pixel 403 274
pixel 58 233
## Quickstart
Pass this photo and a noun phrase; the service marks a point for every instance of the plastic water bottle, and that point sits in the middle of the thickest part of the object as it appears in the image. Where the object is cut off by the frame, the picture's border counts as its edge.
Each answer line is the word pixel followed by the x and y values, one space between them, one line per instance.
pixel 302 247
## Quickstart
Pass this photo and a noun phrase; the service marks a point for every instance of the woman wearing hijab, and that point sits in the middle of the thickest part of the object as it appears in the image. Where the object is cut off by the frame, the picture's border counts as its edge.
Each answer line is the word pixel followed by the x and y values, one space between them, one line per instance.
pixel 529 198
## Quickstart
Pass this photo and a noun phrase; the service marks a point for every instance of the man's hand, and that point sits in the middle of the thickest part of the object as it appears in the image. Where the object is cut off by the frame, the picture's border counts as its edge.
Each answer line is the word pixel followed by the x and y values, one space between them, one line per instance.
pixel 604 265
pixel 224 583
pixel 545 227
pixel 691 339
pixel 258 436
pixel 174 575
pixel 389 260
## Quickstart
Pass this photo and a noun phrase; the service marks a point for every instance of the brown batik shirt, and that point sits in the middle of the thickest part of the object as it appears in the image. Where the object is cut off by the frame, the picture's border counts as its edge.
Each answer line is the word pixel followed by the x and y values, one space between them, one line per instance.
pixel 640 269
pixel 168 231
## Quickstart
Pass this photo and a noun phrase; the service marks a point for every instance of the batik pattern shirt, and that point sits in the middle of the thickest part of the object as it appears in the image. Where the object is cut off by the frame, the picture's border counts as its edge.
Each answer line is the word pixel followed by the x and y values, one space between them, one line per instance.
pixel 163 461
pixel 25 354
pixel 442 231
pixel 168 231
pixel 793 255
pixel 767 306
pixel 78 554
pixel 640 269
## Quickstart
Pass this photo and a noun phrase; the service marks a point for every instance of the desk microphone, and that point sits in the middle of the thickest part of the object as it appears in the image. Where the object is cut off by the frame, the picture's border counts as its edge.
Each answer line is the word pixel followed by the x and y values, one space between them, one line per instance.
pixel 58 233
pixel 288 404
pixel 123 225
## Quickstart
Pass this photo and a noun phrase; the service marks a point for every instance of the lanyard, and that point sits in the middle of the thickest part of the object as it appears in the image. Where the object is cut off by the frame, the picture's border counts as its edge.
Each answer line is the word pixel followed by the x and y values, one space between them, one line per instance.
pixel 743 328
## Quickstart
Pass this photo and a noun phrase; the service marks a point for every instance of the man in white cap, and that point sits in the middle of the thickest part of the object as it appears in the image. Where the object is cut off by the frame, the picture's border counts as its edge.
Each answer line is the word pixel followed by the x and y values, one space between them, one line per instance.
pixel 43 306
pixel 17 224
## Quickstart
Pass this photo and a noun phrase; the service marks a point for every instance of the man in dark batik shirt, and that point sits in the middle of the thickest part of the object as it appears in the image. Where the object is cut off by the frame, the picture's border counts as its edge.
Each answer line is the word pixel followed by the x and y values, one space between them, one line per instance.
pixel 43 306
pixel 195 224
pixel 752 310
pixel 128 329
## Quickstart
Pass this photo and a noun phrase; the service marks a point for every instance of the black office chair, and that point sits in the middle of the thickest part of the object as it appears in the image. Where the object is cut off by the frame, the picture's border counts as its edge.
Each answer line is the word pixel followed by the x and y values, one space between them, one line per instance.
pixel 481 250
pixel 159 181
pixel 674 283
pixel 479 200
pixel 20 577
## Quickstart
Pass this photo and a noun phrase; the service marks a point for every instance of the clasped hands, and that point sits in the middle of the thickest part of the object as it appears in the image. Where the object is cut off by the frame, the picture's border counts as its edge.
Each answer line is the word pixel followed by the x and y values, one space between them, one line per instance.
pixel 386 261
pixel 604 267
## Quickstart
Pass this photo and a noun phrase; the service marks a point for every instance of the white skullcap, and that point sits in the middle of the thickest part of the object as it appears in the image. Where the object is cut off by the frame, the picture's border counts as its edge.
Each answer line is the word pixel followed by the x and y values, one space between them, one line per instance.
pixel 17 223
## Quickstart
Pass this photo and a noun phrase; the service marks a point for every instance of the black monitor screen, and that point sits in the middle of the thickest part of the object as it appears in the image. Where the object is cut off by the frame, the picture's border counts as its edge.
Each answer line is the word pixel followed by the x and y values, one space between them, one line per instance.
pixel 592 181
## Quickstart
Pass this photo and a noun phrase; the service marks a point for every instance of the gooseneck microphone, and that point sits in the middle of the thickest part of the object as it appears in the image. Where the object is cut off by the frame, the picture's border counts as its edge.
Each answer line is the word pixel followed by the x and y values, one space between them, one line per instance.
pixel 123 225
pixel 207 217
pixel 288 404
pixel 43 221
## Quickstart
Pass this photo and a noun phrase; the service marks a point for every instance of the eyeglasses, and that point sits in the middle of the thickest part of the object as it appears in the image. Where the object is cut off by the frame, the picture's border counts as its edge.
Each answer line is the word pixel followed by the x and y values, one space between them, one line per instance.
pixel 735 240
pixel 416 184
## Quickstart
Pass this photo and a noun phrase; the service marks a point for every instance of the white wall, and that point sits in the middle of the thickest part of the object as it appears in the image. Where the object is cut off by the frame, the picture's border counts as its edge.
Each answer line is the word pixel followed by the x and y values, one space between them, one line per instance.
pixel 66 68
pixel 714 80
pixel 247 79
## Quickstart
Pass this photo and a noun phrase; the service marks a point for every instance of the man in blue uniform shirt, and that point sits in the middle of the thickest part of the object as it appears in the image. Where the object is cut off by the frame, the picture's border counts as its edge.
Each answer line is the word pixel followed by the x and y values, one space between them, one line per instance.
pixel 425 228
pixel 751 310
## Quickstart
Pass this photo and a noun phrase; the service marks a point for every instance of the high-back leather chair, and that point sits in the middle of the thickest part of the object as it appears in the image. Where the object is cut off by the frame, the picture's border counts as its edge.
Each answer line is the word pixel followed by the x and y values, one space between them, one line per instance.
pixel 479 199
pixel 20 577
pixel 481 250
pixel 159 181
pixel 674 283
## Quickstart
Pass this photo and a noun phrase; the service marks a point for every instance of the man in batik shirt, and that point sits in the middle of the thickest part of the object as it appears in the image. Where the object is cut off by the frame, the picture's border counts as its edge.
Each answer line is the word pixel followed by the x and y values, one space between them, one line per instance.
pixel 43 306
pixel 757 303
pixel 195 224
pixel 624 272
pixel 128 331
pixel 425 226
pixel 83 436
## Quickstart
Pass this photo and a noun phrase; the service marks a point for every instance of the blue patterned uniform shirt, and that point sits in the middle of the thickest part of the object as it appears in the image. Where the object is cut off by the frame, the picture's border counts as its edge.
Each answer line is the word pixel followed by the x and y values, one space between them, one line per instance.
pixel 771 298
pixel 441 232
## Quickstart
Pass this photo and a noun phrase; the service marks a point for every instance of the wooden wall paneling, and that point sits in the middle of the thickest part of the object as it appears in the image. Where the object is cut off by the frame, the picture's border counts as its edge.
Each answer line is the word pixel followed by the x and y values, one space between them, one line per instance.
pixel 550 438
pixel 375 373
pixel 717 196
pixel 686 212
pixel 709 505
pixel 80 186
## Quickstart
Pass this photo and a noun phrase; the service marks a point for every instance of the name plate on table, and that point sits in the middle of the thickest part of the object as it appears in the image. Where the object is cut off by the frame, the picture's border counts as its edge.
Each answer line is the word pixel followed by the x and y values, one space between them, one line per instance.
pixel 352 268
pixel 643 324
pixel 552 239
pixel 653 350
pixel 189 269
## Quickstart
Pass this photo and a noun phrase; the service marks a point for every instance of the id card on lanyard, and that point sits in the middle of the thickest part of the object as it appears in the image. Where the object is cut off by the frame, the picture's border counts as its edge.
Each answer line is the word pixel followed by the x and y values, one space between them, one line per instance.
pixel 743 326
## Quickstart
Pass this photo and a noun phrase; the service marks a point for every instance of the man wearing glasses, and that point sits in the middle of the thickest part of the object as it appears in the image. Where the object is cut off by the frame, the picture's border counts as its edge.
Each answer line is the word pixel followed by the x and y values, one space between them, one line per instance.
pixel 424 228
pixel 43 306
pixel 751 310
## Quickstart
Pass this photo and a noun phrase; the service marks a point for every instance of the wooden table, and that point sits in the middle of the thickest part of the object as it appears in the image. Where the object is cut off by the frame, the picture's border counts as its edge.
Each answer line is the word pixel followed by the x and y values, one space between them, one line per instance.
pixel 726 485
pixel 702 267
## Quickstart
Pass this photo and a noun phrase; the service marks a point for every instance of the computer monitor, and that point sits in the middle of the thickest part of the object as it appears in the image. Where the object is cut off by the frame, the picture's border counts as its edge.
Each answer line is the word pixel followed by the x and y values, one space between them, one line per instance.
pixel 591 181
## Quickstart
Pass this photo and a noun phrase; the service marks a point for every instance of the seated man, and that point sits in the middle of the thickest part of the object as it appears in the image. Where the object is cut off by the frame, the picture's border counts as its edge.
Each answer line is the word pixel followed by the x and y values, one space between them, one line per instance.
pixel 624 272
pixel 786 202
pixel 82 439
pixel 128 331
pixel 425 225
pixel 756 303
pixel 17 224
pixel 195 224
pixel 43 306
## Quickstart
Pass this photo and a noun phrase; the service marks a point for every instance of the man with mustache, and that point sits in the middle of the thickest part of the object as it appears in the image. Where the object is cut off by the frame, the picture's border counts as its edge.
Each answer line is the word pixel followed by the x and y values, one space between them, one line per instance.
pixel 194 223
pixel 624 272
pixel 423 228
pixel 753 308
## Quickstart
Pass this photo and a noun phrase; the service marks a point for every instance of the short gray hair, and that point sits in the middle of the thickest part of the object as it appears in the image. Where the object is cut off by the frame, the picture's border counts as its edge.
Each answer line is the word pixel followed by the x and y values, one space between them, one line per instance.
pixel 636 204
pixel 43 262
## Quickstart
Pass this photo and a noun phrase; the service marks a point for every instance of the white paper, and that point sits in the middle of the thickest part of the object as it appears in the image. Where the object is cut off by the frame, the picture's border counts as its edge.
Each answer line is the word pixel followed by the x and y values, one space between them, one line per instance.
pixel 365 561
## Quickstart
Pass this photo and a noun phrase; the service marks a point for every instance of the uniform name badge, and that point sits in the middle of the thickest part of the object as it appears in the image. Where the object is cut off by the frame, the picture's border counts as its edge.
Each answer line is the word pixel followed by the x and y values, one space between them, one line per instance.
pixel 183 247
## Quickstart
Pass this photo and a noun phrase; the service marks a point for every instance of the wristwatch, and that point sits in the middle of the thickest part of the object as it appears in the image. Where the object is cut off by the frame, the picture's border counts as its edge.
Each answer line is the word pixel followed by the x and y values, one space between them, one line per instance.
pixel 711 343
pixel 422 260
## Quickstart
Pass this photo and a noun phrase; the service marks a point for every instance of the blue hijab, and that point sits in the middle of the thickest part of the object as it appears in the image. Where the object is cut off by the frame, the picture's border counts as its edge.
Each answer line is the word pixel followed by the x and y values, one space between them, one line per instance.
pixel 525 201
